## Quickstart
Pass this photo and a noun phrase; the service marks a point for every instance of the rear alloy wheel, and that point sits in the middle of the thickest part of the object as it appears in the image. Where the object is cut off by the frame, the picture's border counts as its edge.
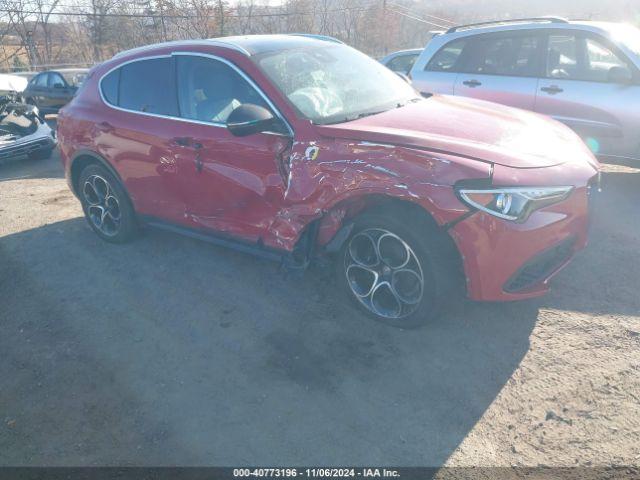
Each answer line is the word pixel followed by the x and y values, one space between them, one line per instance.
pixel 398 270
pixel 106 205
pixel 103 208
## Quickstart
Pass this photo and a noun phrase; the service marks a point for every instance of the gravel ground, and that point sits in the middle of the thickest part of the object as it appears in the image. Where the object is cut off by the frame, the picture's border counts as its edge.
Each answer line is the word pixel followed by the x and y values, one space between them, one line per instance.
pixel 167 351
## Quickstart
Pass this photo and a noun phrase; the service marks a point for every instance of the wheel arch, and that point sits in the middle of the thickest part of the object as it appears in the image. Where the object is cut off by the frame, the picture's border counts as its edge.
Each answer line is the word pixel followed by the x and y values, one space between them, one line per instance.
pixel 83 159
pixel 343 212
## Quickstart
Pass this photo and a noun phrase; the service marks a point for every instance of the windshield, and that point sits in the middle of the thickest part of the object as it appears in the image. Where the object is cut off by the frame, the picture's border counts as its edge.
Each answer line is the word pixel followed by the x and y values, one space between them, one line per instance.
pixel 335 83
pixel 627 35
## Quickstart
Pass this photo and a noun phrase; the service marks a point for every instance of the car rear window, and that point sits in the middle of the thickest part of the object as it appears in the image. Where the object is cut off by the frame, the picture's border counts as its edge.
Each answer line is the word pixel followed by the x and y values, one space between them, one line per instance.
pixel 147 86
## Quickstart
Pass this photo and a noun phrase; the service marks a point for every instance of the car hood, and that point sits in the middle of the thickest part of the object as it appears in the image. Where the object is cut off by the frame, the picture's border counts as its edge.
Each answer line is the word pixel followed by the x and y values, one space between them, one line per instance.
pixel 470 128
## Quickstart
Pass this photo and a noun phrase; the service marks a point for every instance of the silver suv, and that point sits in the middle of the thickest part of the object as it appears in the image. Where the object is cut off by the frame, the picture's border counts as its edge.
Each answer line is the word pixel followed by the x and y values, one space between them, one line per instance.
pixel 585 74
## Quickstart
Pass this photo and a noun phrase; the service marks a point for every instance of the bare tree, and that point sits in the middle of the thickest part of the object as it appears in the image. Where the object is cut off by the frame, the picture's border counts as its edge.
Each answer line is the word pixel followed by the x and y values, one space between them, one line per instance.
pixel 30 20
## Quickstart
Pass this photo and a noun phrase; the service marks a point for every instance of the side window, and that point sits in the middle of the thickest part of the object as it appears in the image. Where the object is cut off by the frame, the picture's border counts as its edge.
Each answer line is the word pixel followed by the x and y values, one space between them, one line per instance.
pixel 402 63
pixel 448 57
pixel 512 56
pixel 600 60
pixel 41 80
pixel 55 79
pixel 147 86
pixel 109 87
pixel 209 90
pixel 562 57
pixel 575 57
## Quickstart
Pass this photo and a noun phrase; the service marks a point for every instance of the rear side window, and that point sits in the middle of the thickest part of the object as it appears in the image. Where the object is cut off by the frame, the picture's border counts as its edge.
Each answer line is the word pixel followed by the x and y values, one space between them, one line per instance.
pixel 448 57
pixel 511 56
pixel 109 87
pixel 148 86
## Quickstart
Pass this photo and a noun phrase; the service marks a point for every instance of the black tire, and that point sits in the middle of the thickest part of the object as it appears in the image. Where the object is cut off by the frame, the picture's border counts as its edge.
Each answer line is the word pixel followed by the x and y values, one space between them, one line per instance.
pixel 102 195
pixel 436 256
pixel 41 154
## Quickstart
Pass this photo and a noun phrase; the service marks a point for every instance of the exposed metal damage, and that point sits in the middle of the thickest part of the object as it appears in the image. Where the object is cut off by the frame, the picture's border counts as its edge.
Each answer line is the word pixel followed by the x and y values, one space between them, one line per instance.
pixel 22 131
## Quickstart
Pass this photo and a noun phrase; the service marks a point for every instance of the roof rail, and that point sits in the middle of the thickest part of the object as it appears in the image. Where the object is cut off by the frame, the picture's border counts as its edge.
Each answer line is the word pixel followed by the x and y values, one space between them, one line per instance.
pixel 513 20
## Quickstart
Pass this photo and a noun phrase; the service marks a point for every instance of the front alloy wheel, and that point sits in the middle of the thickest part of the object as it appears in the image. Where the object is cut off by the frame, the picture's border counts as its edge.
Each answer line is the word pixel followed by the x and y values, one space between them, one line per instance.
pixel 398 267
pixel 383 273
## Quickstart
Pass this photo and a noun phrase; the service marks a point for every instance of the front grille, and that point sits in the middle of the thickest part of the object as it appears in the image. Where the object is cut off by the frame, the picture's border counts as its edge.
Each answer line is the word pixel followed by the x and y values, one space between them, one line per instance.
pixel 540 267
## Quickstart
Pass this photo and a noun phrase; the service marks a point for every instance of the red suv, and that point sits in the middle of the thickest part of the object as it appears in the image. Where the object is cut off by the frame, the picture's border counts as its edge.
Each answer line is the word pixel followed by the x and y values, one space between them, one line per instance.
pixel 293 148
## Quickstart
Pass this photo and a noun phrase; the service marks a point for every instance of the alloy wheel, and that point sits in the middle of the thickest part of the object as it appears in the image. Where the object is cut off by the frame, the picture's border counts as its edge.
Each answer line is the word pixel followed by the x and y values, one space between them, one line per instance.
pixel 384 273
pixel 103 207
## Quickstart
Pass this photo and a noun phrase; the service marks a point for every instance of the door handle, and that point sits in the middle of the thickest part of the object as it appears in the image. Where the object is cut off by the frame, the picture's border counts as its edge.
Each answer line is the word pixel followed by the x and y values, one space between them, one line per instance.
pixel 552 90
pixel 472 83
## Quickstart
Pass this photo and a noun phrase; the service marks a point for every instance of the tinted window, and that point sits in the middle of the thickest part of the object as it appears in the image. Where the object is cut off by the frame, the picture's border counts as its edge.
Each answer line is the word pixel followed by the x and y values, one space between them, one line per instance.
pixel 402 63
pixel 579 58
pixel 512 56
pixel 209 90
pixel 54 79
pixel 110 87
pixel 448 57
pixel 147 86
pixel 562 57
pixel 41 80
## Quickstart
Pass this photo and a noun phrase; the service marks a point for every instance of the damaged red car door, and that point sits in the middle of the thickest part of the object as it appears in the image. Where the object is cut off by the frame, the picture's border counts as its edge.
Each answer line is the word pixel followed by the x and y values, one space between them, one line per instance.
pixel 229 184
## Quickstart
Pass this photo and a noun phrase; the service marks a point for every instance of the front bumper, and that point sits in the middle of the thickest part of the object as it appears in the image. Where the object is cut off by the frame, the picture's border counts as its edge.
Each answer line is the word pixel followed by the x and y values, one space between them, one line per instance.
pixel 505 260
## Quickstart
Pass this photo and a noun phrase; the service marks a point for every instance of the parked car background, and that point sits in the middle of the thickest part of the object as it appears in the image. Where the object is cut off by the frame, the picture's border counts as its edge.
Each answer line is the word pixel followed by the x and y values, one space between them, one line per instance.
pixel 51 90
pixel 584 74
pixel 402 61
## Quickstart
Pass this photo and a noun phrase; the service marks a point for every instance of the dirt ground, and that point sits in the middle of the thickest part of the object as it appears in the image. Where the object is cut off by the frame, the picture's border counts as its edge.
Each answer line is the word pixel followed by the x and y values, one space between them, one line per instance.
pixel 167 351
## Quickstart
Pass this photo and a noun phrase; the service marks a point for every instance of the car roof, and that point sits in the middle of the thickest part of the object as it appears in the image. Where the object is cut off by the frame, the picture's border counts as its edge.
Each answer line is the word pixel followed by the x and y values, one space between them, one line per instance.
pixel 248 45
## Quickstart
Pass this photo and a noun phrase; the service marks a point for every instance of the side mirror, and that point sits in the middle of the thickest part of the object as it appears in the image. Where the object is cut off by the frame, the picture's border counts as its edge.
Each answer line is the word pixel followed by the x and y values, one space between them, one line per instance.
pixel 248 119
pixel 620 75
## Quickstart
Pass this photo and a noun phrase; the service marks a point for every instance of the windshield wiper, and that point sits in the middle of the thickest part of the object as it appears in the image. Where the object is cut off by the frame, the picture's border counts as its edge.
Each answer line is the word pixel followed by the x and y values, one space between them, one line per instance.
pixel 411 100
pixel 368 114
pixel 353 117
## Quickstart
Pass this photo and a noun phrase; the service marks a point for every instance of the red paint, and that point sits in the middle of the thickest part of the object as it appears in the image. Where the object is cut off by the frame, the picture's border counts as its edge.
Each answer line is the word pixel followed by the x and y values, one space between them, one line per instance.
pixel 414 153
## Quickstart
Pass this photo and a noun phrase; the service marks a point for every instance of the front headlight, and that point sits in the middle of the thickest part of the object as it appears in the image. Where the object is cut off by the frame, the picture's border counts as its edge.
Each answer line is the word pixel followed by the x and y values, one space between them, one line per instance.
pixel 512 203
